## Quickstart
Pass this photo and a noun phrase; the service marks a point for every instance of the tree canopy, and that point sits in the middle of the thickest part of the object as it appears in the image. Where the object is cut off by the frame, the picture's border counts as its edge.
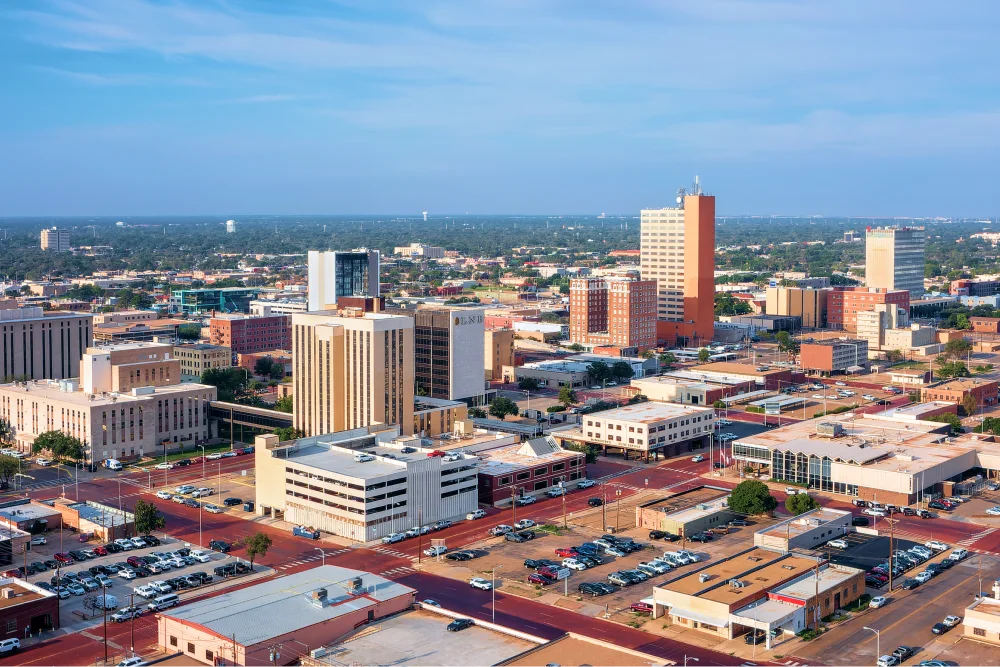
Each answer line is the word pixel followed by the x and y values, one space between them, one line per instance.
pixel 528 384
pixel 501 407
pixel 256 545
pixel 752 497
pixel 147 517
pixel 58 444
pixel 799 503
pixel 567 396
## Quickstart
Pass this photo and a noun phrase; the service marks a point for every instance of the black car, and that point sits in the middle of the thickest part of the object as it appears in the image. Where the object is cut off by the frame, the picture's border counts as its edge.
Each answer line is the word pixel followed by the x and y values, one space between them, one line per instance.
pixel 78 556
pixel 903 652
pixel 924 514
pixel 204 576
pixel 52 564
pixel 940 628
pixel 229 502
pixel 151 540
pixel 860 521
pixel 699 537
pixel 219 545
pixel 113 548
pixel 37 566
pixel 670 537
pixel 227 570
pixel 459 556
pixel 514 537
pixel 177 583
pixel 184 551
pixel 739 522
pixel 595 502
pixel 755 637
pixel 657 534
pixel 589 561
pixel 946 564
pixel 910 584
pixel 142 571
pixel 533 563
pixel 528 534
pixel 909 511
pixel 149 560
pixel 184 462
pixel 592 588
pixel 242 568
pixel 460 624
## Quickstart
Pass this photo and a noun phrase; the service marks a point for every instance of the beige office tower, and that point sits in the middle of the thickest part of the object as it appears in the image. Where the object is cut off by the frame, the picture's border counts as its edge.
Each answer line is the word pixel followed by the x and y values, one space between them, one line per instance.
pixel 352 369
pixel 894 259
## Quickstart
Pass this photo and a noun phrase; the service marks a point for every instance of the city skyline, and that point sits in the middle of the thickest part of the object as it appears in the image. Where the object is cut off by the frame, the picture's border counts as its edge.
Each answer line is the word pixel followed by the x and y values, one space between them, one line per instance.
pixel 155 109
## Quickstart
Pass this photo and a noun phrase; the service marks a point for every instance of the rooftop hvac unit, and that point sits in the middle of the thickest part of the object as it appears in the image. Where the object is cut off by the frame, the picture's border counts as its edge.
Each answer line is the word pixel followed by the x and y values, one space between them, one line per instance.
pixel 317 652
pixel 830 429
pixel 704 576
pixel 736 583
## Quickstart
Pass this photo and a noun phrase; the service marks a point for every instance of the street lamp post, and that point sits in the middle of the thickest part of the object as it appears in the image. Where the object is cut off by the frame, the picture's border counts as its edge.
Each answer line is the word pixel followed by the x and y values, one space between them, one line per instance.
pixel 686 658
pixel 323 554
pixel 220 479
pixel 493 589
pixel 202 461
pixel 878 641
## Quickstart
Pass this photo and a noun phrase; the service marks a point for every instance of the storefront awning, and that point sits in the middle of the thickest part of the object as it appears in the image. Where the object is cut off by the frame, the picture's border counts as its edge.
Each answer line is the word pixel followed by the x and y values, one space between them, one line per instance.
pixel 701 618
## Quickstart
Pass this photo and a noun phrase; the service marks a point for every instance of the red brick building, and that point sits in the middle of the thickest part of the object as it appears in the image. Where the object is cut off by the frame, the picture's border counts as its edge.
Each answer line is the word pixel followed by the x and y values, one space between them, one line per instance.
pixel 251 333
pixel 985 324
pixel 532 467
pixel 25 607
pixel 844 304
pixel 619 313
pixel 955 391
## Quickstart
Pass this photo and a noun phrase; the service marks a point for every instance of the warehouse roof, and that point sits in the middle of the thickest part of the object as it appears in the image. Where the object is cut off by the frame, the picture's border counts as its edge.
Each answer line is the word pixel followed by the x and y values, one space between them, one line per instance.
pixel 281 606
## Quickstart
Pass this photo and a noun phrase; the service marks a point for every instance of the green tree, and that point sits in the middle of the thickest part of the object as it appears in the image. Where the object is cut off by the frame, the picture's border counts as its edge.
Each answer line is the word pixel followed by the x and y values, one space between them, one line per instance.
pixel 719 405
pixel 667 358
pixel 501 407
pixel 230 382
pixel 7 431
pixel 147 517
pixel 576 347
pixel 957 347
pixel 892 356
pixel 262 366
pixel 189 332
pixel 287 433
pixel 638 398
pixel 9 466
pixel 477 413
pixel 256 545
pixel 567 396
pixel 799 503
pixel 950 369
pixel 726 304
pixel 948 418
pixel 285 404
pixel 58 444
pixel 751 498
pixel 785 342
pixel 528 384
pixel 622 370
pixel 969 404
pixel 703 354
pixel 599 371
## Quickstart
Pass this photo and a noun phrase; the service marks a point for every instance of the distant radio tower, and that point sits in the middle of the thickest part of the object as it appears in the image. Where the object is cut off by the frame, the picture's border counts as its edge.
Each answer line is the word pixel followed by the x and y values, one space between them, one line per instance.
pixel 425 216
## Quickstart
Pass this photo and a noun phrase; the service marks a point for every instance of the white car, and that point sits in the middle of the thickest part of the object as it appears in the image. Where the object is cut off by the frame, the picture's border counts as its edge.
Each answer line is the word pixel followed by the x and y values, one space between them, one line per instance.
pixel 693 557
pixel 200 556
pixel 42 461
pixel 840 383
pixel 952 621
pixel 214 456
pixel 937 545
pixel 994 511
pixel 887 661
pixel 134 661
pixel 573 564
pixel 870 511
pixel 819 397
pixel 179 499
pixel 38 540
pixel 585 483
pixel 161 586
pixel 869 397
pixel 213 509
pixel 146 591
pixel 838 544
pixel 205 490
pixel 164 466
pixel 185 488
pixel 524 523
pixel 138 543
pixel 923 577
pixel 127 573
pixel 502 529
pixel 958 554
pixel 724 422
pixel 392 539
pixel 435 551
pixel 697 459
pixel 878 601
pixel 555 492
pixel 481 584
pixel 475 514
pixel 164 495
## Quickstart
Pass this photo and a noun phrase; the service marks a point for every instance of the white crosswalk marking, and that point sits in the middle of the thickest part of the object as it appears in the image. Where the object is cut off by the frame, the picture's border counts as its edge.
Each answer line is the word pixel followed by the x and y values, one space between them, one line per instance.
pixel 978 536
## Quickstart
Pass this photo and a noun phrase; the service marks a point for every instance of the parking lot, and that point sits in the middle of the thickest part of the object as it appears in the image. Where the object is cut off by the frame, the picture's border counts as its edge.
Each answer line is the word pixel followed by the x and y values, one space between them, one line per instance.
pixel 74 608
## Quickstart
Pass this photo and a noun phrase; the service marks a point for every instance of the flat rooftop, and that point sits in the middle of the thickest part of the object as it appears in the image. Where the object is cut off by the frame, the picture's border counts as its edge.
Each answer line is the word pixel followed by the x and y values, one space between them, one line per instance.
pixel 700 510
pixel 732 368
pixel 962 384
pixel 576 651
pixel 986 605
pixel 17 513
pixel 281 606
pixel 543 450
pixel 684 499
pixel 420 637
pixel 558 366
pixel 711 378
pixel 674 381
pixel 804 522
pixel 49 389
pixel 651 411
pixel 831 576
pixel 22 593
pixel 758 569
pixel 916 410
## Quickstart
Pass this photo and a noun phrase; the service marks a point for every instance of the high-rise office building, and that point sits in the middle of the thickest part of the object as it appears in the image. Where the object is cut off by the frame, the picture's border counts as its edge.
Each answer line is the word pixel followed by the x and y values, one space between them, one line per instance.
pixel 37 346
pixel 337 274
pixel 613 312
pixel 448 353
pixel 804 302
pixel 677 250
pixel 352 369
pixel 55 240
pixel 894 258
pixel 498 347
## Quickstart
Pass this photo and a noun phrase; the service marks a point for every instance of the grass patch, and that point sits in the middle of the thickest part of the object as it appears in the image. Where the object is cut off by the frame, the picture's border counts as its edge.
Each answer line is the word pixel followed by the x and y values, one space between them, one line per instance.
pixel 778 656
pixel 188 454
pixel 809 634
pixel 860 604
pixel 550 528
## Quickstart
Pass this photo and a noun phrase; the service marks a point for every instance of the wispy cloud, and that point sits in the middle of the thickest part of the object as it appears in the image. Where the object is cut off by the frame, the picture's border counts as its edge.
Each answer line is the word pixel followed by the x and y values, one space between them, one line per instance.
pixel 262 99
pixel 98 79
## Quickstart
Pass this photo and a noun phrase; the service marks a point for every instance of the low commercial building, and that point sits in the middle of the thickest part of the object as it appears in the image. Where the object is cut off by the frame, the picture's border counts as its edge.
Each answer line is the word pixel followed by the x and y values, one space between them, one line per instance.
pixel 645 429
pixel 769 323
pixel 137 332
pixel 279 307
pixel 126 317
pixel 727 371
pixel 686 513
pixel 673 389
pixel 26 609
pixel 985 324
pixel 361 484
pixel 641 367
pixel 433 416
pixel 555 373
pixel 29 516
pixel 535 466
pixel 105 522
pixel 213 299
pixel 14 543
pixel 805 531
pixel 248 360
pixel 196 358
pixel 281 620
pixel 834 356
pixel 956 390
pixel 982 618
pixel 909 378
pixel 889 458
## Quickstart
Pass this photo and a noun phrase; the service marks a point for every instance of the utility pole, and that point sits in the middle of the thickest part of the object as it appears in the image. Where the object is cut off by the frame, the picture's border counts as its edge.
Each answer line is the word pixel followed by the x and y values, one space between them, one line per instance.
pixel 892 525
pixel 420 532
pixel 618 507
pixel 513 505
pixel 564 507
pixel 131 601
pixel 604 506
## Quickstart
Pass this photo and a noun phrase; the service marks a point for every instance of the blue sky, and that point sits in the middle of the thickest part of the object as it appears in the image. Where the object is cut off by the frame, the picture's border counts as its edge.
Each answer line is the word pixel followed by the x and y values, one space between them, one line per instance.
pixel 518 106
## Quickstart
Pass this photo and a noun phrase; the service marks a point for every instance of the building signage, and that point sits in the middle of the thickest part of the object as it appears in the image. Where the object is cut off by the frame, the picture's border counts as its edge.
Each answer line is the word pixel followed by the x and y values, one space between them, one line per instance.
pixel 562 573
pixel 462 320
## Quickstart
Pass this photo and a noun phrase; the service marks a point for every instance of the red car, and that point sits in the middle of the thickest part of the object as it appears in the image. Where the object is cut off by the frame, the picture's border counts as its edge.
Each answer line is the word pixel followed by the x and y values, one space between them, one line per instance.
pixel 566 552
pixel 12 573
pixel 641 607
pixel 547 572
pixel 539 579
pixel 100 551
pixel 197 459
pixel 65 559
pixel 134 561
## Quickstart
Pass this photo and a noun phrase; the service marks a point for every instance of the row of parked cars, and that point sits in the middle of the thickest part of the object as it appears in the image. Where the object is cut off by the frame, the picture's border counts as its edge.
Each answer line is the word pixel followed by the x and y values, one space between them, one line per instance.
pixel 906 560
pixel 872 508
pixel 214 456
pixel 418 530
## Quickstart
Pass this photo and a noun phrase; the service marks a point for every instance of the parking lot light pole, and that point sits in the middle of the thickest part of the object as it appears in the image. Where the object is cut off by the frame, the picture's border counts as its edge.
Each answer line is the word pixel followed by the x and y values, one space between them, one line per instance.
pixel 493 589
pixel 878 640
pixel 202 461
pixel 118 479
pixel 686 658
pixel 323 554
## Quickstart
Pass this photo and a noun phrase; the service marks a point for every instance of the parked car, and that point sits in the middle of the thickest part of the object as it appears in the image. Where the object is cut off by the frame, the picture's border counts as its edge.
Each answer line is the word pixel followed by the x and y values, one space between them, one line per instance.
pixel 697 459
pixel 838 544
pixel 641 607
pixel 940 628
pixel 460 624
pixel 475 514
pixel 539 579
pixel 481 584
pixel 574 564
pixel 595 502
pixel 910 584
pixel 501 529
pixel 887 661
pixel 877 601
pixel 524 500
pixel 524 523
pixel 952 621
pixel 860 521
pixel 585 483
